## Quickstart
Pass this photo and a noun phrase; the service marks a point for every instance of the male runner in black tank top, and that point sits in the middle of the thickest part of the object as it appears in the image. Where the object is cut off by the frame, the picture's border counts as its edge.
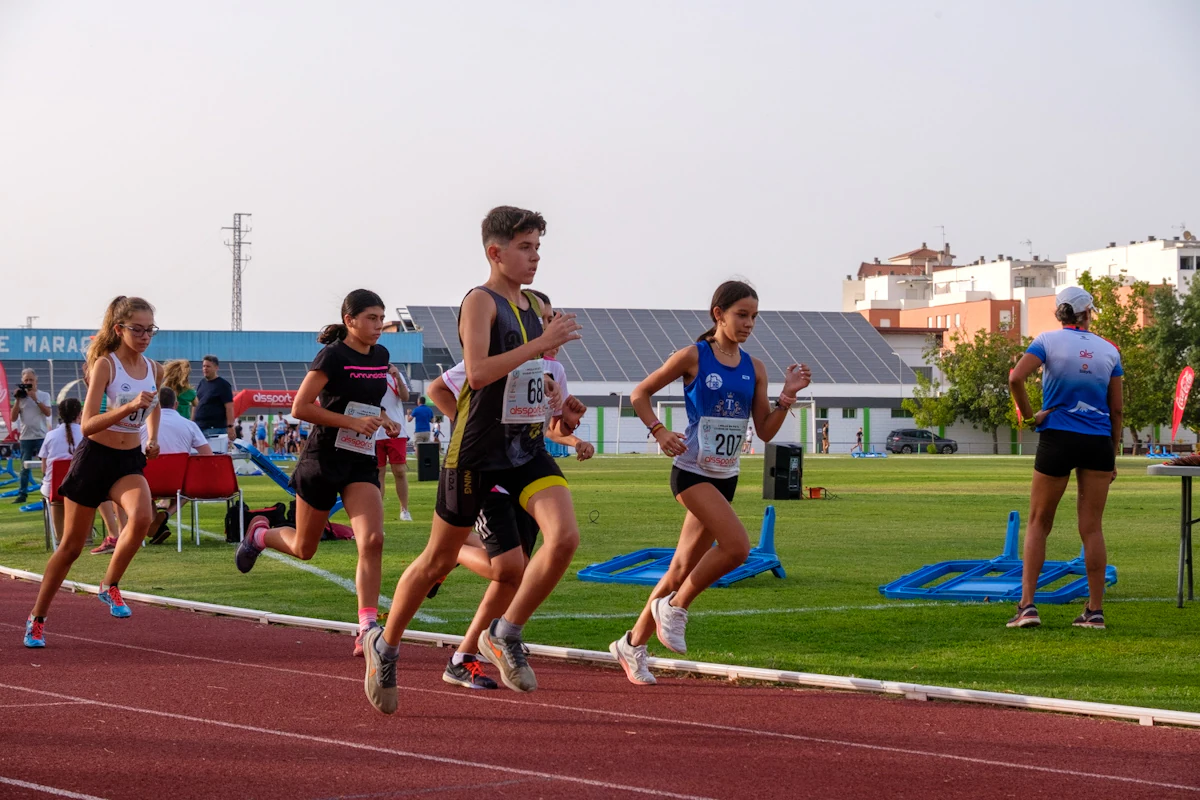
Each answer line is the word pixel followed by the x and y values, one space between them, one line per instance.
pixel 497 442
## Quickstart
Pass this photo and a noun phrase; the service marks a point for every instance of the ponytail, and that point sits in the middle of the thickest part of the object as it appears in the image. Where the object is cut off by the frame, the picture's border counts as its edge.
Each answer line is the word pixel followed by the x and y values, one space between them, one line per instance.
pixel 69 411
pixel 355 303
pixel 725 296
pixel 106 339
pixel 332 333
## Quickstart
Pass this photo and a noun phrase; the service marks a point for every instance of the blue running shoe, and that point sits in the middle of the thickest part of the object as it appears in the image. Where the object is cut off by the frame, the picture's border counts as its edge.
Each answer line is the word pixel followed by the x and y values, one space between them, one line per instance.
pixel 35 632
pixel 116 606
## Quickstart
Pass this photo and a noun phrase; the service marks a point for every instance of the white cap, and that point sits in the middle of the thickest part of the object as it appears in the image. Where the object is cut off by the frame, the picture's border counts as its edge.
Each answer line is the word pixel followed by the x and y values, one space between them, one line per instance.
pixel 1077 298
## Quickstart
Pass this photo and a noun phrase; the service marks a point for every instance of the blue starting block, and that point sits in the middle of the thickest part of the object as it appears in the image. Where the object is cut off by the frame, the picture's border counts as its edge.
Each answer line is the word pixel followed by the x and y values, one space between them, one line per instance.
pixel 646 567
pixel 273 472
pixel 8 473
pixel 998 579
pixel 557 450
pixel 1161 452
pixel 35 506
pixel 870 452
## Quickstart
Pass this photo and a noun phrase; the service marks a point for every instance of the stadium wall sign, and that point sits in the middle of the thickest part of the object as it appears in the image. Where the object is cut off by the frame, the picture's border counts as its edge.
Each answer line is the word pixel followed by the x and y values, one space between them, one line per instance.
pixel 17 344
pixel 248 399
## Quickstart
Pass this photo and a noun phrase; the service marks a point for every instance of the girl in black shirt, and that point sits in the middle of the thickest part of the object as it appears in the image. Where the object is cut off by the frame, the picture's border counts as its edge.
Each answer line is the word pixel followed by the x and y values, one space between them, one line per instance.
pixel 349 378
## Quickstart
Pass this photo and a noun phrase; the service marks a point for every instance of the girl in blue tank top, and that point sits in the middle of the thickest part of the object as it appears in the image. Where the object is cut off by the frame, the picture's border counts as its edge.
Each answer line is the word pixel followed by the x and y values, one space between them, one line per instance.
pixel 725 388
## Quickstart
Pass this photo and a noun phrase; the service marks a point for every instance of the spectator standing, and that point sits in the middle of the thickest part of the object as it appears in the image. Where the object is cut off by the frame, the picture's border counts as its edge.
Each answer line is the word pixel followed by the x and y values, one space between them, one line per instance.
pixel 421 417
pixel 394 449
pixel 825 438
pixel 176 375
pixel 60 443
pixel 31 411
pixel 214 405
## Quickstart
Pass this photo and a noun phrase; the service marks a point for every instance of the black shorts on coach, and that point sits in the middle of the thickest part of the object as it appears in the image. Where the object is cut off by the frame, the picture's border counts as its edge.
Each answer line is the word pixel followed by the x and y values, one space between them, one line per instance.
pixel 318 482
pixel 96 468
pixel 1061 452
pixel 463 492
pixel 682 480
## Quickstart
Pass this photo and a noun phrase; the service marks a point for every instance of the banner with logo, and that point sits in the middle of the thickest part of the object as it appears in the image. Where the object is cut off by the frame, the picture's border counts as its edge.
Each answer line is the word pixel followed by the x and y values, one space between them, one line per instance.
pixel 1183 387
pixel 264 399
pixel 6 405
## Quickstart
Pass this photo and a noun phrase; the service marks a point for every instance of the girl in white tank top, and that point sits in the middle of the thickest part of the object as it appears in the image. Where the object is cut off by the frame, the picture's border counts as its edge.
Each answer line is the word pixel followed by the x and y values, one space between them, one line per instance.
pixel 109 462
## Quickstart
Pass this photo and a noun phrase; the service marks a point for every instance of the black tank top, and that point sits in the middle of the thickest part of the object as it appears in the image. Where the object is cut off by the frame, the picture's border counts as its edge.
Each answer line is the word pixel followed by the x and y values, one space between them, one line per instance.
pixel 480 439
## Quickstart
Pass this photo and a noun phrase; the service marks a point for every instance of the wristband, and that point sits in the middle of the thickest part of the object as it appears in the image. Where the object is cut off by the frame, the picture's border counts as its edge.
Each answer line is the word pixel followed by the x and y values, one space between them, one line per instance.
pixel 655 427
pixel 785 402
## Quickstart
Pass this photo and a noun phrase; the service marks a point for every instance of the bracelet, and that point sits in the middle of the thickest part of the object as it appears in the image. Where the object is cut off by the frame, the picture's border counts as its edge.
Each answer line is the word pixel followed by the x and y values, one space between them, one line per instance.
pixel 656 426
pixel 785 402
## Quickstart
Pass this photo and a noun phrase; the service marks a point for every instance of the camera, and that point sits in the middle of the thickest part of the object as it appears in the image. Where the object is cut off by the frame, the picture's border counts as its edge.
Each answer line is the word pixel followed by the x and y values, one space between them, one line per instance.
pixel 23 390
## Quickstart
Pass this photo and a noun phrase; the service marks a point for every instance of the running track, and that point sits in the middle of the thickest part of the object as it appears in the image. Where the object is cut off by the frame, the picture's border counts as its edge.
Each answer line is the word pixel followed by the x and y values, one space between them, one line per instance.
pixel 171 704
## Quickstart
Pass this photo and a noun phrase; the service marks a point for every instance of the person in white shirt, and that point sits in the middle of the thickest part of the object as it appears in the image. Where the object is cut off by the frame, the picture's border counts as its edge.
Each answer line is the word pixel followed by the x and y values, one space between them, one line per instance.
pixel 394 449
pixel 176 434
pixel 60 443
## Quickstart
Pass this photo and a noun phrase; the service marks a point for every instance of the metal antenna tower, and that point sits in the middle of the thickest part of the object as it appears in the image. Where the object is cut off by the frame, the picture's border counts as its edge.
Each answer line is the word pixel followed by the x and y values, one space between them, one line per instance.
pixel 1028 243
pixel 240 231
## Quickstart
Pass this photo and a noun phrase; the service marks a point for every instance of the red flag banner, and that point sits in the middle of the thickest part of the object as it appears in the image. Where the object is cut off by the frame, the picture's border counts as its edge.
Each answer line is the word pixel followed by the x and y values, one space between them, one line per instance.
pixel 5 405
pixel 1182 389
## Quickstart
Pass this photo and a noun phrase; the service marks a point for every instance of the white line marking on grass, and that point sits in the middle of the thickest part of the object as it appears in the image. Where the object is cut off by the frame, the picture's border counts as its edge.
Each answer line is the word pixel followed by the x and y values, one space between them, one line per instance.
pixel 37 787
pixel 38 705
pixel 458 762
pixel 384 602
pixel 490 697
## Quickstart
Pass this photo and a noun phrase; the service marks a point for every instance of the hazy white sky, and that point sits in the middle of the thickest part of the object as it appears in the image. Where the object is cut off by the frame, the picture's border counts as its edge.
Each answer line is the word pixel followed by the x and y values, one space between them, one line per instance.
pixel 670 145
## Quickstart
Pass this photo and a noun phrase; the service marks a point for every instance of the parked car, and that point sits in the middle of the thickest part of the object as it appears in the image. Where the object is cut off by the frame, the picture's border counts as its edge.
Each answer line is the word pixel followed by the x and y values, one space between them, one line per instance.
pixel 915 440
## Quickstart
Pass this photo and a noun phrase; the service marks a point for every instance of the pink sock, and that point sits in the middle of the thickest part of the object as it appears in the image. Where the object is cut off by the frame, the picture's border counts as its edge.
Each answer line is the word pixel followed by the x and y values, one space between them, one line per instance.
pixel 259 537
pixel 367 617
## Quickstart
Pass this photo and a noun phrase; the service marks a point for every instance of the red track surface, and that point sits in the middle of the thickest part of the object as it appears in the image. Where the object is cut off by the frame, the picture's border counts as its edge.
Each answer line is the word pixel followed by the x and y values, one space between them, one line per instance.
pixel 170 704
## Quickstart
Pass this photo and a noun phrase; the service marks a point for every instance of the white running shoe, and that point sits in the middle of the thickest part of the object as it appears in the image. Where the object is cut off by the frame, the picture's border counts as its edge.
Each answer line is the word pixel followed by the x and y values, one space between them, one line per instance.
pixel 405 516
pixel 633 661
pixel 670 623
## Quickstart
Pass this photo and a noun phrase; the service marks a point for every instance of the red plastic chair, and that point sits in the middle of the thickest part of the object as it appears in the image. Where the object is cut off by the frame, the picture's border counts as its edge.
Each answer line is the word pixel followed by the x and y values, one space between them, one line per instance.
pixel 58 470
pixel 208 479
pixel 164 475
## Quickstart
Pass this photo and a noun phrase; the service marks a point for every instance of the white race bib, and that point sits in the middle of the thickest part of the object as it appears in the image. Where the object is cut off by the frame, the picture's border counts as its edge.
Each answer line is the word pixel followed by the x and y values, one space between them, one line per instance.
pixel 133 422
pixel 721 444
pixel 525 394
pixel 352 440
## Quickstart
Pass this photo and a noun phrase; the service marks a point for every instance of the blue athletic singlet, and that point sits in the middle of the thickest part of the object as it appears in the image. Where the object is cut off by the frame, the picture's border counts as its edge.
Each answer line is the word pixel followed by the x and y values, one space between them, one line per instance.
pixel 1078 365
pixel 718 407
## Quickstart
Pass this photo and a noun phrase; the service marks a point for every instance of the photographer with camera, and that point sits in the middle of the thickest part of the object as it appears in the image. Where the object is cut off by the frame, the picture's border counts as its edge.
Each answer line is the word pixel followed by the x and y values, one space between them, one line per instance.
pixel 31 412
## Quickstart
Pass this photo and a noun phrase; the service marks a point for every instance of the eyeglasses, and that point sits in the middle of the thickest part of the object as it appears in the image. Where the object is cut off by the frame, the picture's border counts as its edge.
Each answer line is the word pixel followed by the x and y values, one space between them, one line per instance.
pixel 138 330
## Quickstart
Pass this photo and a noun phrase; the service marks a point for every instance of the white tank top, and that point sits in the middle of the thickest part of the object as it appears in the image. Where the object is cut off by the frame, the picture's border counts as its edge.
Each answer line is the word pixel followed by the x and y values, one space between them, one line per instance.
pixel 122 389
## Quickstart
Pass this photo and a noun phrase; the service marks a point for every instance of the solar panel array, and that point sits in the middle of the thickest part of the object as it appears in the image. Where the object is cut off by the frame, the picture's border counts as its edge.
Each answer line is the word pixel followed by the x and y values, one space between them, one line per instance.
pixel 626 344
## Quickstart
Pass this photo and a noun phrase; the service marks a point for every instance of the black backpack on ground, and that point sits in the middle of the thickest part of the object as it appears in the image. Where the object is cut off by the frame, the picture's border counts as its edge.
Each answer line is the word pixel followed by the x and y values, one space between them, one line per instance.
pixel 276 515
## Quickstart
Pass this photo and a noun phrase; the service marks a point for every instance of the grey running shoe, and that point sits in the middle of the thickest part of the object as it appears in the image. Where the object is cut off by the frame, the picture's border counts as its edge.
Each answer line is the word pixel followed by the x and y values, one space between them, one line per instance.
pixel 1090 619
pixel 633 661
pixel 1026 617
pixel 468 674
pixel 670 623
pixel 247 553
pixel 380 682
pixel 508 656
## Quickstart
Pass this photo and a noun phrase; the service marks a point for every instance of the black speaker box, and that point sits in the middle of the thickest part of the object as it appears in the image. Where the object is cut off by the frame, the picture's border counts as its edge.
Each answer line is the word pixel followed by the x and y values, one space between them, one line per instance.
pixel 783 469
pixel 428 454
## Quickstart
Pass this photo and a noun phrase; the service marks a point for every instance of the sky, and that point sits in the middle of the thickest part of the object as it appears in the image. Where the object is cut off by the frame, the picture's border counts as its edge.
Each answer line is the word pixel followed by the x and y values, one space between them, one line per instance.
pixel 670 145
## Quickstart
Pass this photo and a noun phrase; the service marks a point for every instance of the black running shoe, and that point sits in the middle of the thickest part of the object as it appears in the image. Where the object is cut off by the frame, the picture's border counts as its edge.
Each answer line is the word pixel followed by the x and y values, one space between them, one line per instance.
pixel 468 674
pixel 1026 617
pixel 1090 619
pixel 247 553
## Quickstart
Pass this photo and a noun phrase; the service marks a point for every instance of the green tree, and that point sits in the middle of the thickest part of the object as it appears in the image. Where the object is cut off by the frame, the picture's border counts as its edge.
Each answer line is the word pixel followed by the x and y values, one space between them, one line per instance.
pixel 976 370
pixel 1173 339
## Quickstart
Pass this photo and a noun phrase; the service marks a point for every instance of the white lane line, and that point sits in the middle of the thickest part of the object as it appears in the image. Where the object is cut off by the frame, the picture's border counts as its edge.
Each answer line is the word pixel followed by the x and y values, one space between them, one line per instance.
pixel 458 762
pixel 347 584
pixel 489 697
pixel 37 787
pixel 38 705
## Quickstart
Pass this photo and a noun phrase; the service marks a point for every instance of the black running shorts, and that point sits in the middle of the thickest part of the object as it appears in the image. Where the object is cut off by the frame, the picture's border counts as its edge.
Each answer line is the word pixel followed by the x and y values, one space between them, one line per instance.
pixel 318 482
pixel 96 468
pixel 503 525
pixel 462 493
pixel 1060 452
pixel 682 480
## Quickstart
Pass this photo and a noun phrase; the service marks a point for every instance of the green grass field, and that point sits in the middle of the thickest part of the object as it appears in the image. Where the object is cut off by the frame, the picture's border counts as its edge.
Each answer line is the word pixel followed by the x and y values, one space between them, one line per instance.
pixel 890 517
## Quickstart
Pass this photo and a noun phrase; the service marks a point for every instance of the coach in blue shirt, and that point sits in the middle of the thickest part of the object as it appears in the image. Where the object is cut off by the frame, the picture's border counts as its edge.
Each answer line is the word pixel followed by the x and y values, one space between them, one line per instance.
pixel 421 416
pixel 1080 430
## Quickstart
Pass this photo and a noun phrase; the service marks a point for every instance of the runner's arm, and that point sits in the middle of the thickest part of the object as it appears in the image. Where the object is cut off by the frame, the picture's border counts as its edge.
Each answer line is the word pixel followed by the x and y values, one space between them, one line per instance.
pixel 441 396
pixel 1116 410
pixel 475 326
pixel 304 406
pixel 1028 365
